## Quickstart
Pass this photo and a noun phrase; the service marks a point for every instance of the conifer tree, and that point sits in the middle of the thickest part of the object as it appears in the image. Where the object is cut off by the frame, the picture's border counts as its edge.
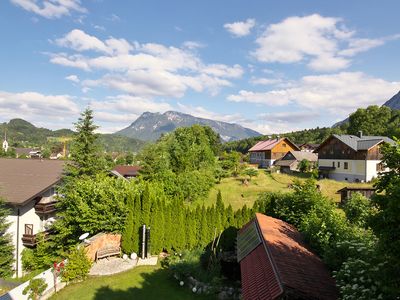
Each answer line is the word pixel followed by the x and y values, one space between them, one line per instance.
pixel 146 204
pixel 127 243
pixel 137 217
pixel 85 152
pixel 6 246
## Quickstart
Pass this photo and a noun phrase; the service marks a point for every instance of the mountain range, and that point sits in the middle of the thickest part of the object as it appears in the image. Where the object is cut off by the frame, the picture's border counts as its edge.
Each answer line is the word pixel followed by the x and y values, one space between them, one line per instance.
pixel 150 126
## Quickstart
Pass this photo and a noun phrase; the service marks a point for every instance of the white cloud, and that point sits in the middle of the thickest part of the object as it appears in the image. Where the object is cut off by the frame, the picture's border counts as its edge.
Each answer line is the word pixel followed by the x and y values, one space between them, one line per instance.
pixel 291 117
pixel 339 93
pixel 73 78
pixel 323 43
pixel 145 70
pixel 191 45
pixel 240 29
pixel 265 81
pixel 37 107
pixel 201 112
pixel 51 9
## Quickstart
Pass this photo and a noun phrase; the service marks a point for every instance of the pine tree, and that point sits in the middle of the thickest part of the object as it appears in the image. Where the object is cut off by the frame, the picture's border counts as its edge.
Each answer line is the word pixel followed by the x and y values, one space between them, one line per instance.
pixel 6 246
pixel 127 243
pixel 85 150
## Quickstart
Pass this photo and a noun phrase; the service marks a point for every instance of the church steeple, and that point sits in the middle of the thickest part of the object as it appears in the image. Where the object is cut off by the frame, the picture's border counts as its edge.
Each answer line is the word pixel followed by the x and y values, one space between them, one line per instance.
pixel 5 143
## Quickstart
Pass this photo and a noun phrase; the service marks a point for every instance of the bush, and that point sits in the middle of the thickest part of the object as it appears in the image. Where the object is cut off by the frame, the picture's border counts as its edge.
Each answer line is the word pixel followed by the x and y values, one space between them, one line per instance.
pixel 358 209
pixel 39 258
pixel 35 288
pixel 78 265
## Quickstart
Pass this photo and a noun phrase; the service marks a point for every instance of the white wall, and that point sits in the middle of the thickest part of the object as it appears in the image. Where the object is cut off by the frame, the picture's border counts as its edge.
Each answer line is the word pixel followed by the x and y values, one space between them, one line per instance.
pixel 356 169
pixel 371 169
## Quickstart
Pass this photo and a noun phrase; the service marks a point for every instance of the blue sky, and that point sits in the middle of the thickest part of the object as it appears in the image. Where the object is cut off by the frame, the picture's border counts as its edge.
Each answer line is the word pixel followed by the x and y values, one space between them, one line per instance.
pixel 273 66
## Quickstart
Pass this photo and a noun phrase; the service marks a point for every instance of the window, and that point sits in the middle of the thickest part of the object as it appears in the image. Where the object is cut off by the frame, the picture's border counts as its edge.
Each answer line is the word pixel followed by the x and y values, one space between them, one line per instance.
pixel 338 164
pixel 346 165
pixel 284 145
pixel 333 164
pixel 29 229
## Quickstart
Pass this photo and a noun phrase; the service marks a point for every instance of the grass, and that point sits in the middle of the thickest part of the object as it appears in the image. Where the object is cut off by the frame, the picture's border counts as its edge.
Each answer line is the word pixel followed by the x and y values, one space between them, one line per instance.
pixel 237 194
pixel 144 282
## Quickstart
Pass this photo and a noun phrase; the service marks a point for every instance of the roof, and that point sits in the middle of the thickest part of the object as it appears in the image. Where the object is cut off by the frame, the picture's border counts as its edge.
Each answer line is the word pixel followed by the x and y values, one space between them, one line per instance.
pixel 361 143
pixel 270 144
pixel 127 170
pixel 300 155
pixel 282 263
pixel 361 188
pixel 284 163
pixel 309 145
pixel 21 180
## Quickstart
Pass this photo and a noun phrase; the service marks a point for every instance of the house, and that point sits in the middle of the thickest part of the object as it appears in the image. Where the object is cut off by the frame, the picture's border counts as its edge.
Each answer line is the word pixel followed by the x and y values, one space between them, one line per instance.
pixel 347 192
pixel 290 162
pixel 275 263
pixel 351 158
pixel 308 147
pixel 127 172
pixel 28 189
pixel 264 153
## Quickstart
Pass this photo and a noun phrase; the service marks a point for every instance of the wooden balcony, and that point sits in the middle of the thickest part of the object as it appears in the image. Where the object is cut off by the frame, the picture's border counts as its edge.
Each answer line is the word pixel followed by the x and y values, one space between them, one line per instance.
pixel 45 208
pixel 31 240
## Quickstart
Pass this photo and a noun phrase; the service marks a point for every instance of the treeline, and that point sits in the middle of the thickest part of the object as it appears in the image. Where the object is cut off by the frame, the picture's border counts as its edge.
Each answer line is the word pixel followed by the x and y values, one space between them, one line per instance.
pixel 373 120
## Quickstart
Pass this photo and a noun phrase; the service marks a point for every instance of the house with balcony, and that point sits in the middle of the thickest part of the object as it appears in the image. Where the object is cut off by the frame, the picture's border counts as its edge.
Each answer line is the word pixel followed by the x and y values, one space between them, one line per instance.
pixel 265 153
pixel 352 158
pixel 28 189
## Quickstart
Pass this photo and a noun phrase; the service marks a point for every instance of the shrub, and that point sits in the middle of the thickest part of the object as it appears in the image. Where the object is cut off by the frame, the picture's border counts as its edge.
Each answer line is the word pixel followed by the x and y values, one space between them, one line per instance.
pixel 35 288
pixel 78 265
pixel 358 209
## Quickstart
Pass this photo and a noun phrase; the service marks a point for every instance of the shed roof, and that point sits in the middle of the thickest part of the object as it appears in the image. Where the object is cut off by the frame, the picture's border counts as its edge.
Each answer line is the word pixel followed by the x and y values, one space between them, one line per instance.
pixel 21 180
pixel 283 263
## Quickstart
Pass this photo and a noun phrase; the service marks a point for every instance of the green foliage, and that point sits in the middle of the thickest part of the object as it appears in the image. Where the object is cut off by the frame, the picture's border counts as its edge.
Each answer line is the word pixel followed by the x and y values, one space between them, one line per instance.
pixel 251 172
pixel 304 166
pixel 35 289
pixel 6 245
pixel 183 161
pixel 85 151
pixel 129 234
pixel 78 265
pixel 39 258
pixel 358 209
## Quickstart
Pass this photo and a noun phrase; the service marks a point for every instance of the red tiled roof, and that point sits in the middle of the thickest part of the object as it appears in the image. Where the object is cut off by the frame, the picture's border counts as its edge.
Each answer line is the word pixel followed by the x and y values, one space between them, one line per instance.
pixel 265 145
pixel 127 170
pixel 295 267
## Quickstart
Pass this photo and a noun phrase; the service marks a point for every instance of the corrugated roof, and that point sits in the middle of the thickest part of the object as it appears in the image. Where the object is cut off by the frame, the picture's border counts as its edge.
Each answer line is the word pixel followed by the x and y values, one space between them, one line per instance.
pixel 23 179
pixel 287 262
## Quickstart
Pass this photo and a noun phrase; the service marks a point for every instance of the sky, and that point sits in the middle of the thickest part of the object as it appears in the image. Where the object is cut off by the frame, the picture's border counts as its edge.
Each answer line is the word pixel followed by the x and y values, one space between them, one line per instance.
pixel 272 66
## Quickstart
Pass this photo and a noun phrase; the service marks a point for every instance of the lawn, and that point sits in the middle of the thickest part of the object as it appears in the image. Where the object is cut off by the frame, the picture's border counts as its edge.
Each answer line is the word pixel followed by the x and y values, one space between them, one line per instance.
pixel 237 194
pixel 144 282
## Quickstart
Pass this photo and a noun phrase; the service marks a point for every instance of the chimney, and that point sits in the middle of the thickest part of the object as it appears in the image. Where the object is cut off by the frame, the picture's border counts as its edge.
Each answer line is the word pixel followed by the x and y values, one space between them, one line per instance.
pixel 360 134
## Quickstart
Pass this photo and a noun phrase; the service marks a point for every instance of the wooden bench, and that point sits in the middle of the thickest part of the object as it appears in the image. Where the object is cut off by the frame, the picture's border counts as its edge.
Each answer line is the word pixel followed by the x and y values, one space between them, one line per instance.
pixel 107 252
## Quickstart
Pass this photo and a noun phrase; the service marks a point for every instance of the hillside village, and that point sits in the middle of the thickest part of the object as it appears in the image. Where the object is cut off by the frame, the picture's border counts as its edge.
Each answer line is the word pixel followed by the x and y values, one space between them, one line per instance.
pixel 180 150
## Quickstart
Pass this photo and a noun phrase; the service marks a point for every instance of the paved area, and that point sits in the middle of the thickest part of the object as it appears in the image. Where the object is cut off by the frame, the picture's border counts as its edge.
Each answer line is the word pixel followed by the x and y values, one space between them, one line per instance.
pixel 111 265
pixel 152 261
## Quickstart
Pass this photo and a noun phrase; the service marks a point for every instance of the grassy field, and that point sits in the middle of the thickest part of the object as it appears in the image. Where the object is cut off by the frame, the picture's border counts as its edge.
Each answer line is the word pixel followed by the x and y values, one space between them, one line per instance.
pixel 237 194
pixel 144 282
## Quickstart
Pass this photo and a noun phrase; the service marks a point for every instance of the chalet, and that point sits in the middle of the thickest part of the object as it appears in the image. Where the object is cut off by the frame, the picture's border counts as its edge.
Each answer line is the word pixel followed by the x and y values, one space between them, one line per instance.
pixel 308 147
pixel 290 162
pixel 351 158
pixel 28 189
pixel 275 263
pixel 127 172
pixel 265 153
pixel 347 192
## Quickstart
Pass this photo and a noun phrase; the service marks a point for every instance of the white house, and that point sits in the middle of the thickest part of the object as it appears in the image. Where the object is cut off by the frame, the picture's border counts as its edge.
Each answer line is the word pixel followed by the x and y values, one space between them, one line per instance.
pixel 351 158
pixel 28 188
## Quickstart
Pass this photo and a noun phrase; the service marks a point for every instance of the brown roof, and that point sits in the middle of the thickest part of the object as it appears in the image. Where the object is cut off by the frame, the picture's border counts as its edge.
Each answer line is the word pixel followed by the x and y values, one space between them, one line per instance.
pixel 286 266
pixel 270 144
pixel 21 180
pixel 127 170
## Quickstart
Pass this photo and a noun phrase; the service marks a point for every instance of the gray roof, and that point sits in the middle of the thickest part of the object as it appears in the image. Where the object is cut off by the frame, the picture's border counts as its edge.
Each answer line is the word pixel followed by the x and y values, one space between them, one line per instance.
pixel 300 155
pixel 21 180
pixel 364 142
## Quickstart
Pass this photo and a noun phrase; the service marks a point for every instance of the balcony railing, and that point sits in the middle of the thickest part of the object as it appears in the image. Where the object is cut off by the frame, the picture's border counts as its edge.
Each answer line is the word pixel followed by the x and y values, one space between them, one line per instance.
pixel 31 240
pixel 45 208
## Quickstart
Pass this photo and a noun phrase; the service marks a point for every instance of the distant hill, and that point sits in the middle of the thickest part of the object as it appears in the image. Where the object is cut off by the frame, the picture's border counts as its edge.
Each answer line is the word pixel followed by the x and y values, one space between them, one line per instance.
pixel 21 133
pixel 150 126
pixel 393 103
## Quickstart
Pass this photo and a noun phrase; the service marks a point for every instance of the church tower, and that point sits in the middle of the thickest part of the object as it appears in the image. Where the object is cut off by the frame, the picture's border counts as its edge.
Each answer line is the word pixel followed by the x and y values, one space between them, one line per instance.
pixel 5 143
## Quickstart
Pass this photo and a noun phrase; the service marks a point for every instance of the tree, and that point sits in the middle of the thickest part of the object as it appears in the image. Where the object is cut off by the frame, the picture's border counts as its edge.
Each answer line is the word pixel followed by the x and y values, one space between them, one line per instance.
pixel 129 158
pixel 358 209
pixel 372 120
pixel 251 172
pixel 6 246
pixel 129 230
pixel 78 265
pixel 35 288
pixel 304 166
pixel 85 153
